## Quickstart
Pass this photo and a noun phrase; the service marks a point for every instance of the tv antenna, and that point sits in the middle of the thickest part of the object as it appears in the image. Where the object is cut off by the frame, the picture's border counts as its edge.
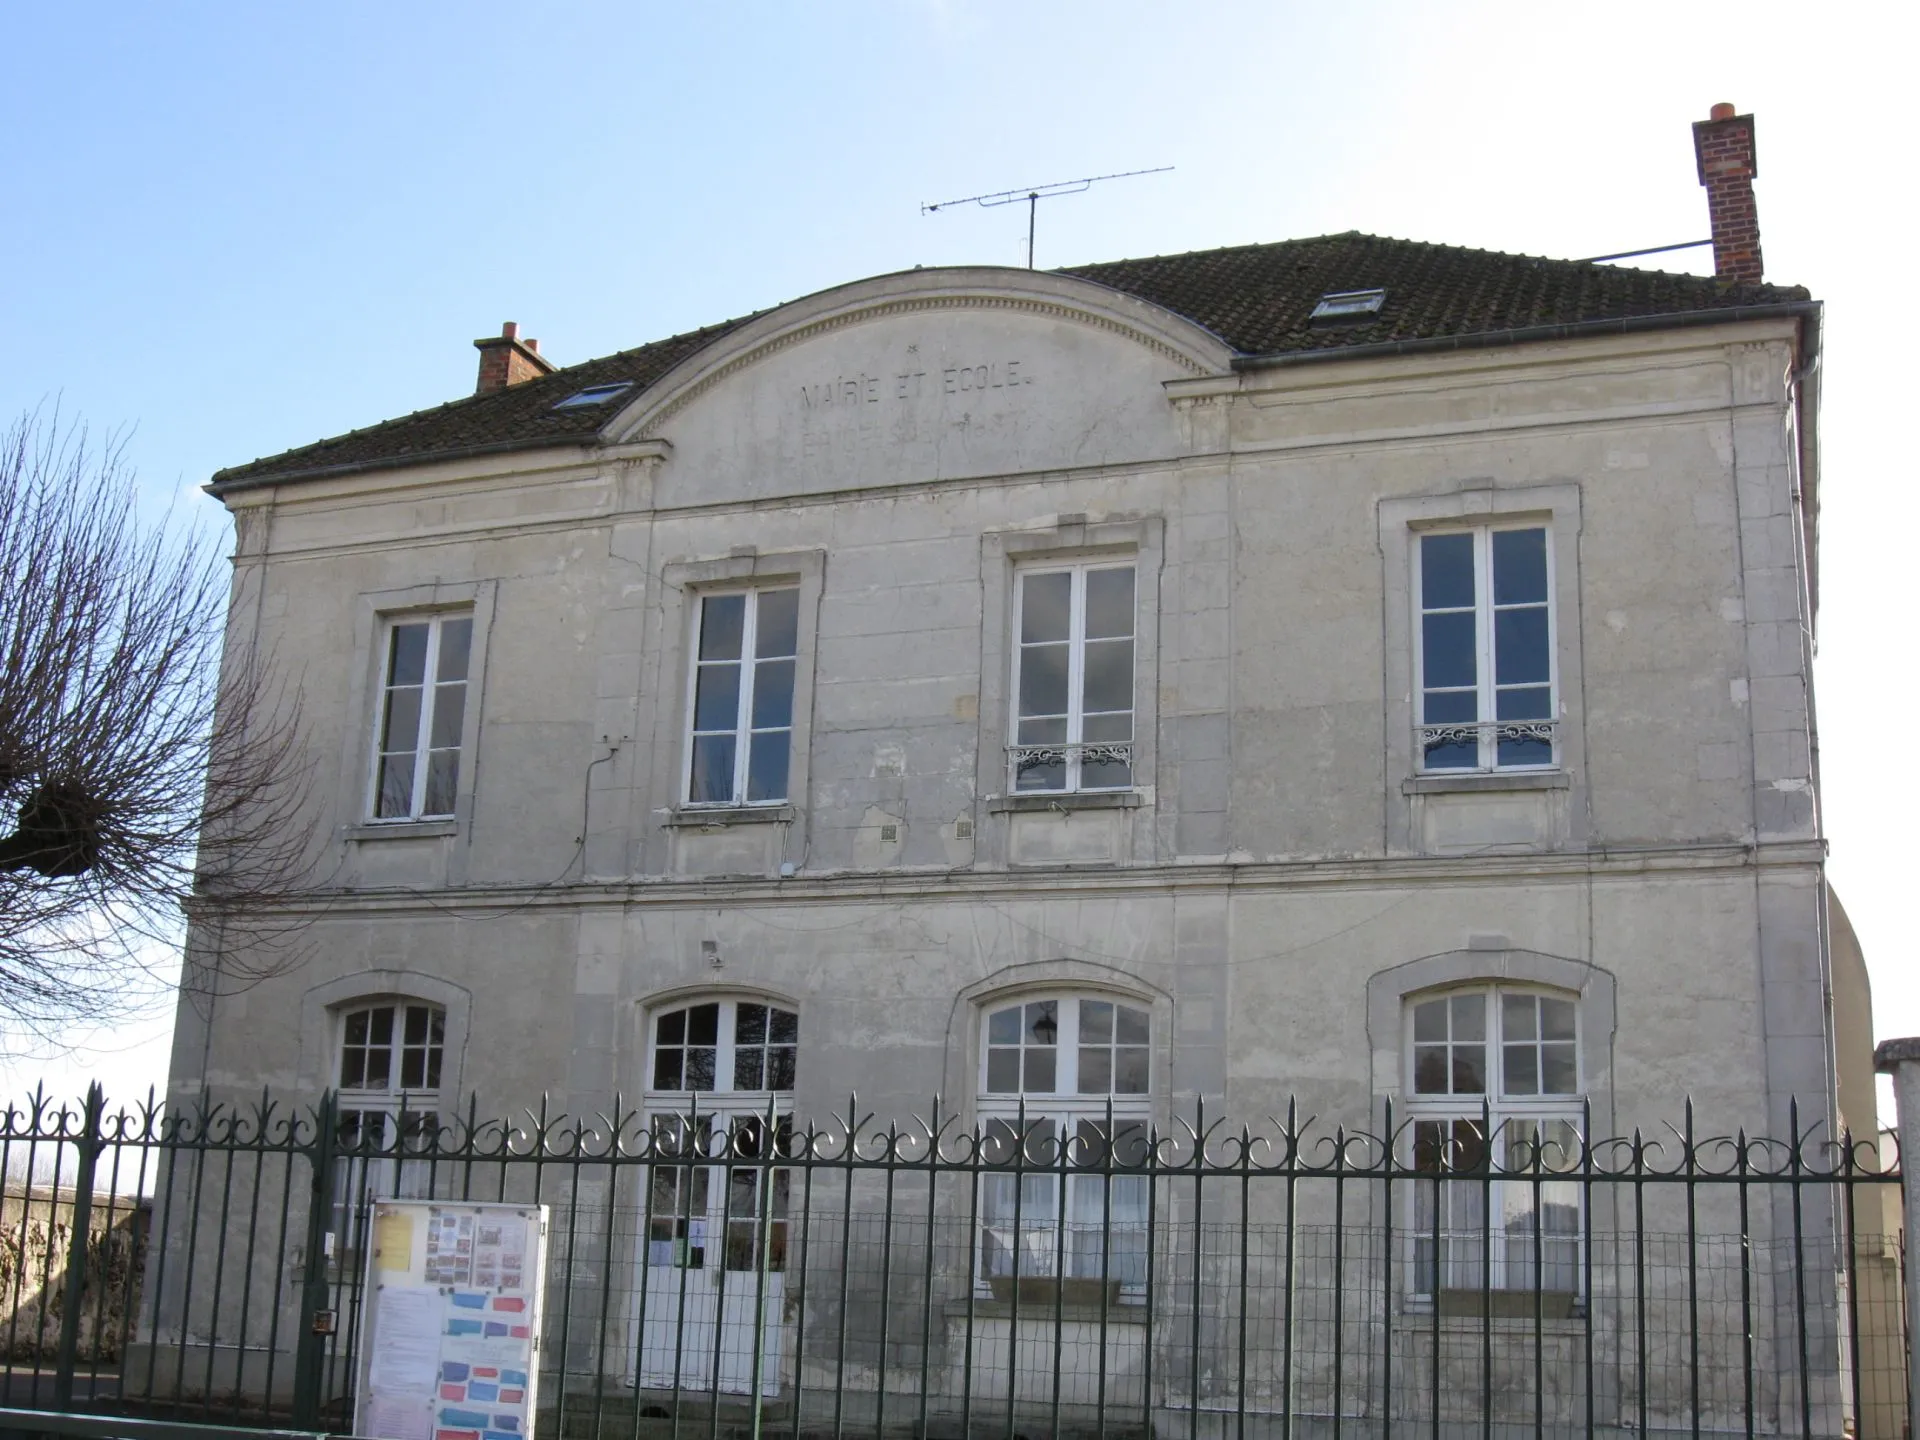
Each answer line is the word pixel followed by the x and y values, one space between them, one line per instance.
pixel 1034 194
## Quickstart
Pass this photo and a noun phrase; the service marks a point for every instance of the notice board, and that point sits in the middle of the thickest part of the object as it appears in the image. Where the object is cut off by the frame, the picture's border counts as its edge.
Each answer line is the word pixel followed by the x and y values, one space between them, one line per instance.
pixel 450 1321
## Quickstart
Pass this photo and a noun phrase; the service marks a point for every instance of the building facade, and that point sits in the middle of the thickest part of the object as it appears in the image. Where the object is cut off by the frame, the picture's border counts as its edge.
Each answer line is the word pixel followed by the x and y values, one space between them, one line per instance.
pixel 1348 671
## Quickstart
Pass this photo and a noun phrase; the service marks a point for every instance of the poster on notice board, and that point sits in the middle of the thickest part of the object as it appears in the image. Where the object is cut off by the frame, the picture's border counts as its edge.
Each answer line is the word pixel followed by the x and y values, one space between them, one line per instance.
pixel 450 1321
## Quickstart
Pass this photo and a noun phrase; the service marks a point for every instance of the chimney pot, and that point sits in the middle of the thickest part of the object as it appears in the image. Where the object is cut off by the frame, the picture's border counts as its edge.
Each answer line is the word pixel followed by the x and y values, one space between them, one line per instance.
pixel 534 345
pixel 1726 161
pixel 510 331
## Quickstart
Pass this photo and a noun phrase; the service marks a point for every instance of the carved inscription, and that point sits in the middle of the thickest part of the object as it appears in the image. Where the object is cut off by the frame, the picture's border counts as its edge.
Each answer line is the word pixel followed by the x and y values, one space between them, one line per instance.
pixel 862 389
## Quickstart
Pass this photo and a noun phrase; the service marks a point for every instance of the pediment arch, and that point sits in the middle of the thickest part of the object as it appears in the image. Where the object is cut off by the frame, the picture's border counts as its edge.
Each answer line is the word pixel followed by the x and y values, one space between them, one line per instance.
pixel 925 376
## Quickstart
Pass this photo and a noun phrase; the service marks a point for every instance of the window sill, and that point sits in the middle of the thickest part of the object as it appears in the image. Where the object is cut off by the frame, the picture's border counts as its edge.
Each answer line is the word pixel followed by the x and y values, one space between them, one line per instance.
pixel 1512 1309
pixel 1061 801
pixel 1443 783
pixel 719 817
pixel 403 830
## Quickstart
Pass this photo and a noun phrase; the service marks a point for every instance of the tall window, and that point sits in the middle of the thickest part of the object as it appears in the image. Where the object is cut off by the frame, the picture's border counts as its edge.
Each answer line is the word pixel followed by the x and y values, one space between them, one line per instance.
pixel 715 1071
pixel 389 1096
pixel 1486 650
pixel 1075 1071
pixel 1495 1093
pixel 423 705
pixel 1073 679
pixel 741 726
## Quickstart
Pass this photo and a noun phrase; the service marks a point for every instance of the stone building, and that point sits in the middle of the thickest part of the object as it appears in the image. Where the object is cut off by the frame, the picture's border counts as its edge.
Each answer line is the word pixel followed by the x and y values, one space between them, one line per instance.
pixel 1348 669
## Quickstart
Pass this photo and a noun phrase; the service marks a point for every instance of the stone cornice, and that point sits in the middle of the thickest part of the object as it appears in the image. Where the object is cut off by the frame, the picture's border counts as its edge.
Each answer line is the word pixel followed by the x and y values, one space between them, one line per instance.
pixel 955 886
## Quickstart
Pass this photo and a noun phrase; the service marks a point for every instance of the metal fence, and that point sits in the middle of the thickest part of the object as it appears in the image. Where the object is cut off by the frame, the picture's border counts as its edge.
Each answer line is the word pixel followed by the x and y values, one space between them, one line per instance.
pixel 1036 1274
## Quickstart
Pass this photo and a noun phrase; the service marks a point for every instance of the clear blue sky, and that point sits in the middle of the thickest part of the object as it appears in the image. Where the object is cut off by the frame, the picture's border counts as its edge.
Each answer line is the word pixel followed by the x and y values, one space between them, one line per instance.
pixel 239 228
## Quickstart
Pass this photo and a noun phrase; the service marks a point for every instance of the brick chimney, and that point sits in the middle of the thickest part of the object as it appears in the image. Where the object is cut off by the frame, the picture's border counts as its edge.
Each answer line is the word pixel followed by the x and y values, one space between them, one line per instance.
pixel 1723 147
pixel 506 359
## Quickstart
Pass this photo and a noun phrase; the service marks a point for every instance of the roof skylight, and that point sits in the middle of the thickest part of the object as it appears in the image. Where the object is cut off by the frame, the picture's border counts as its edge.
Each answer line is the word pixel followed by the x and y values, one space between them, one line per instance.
pixel 1348 304
pixel 594 395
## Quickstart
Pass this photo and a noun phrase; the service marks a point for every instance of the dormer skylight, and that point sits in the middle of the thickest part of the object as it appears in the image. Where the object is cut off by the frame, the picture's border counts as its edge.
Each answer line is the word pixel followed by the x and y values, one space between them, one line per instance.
pixel 1349 305
pixel 594 395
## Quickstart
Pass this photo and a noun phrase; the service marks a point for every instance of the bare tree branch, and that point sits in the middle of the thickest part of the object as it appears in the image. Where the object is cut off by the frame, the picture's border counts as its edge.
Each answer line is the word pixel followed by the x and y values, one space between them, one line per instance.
pixel 135 772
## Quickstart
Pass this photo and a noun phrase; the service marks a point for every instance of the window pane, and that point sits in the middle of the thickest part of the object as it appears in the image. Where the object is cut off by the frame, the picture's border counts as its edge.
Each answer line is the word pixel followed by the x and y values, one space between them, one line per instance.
pixel 1558 1075
pixel 673 1027
pixel 1044 606
pixel 1003 1027
pixel 1519 645
pixel 1469 1017
pixel 778 623
pixel 456 638
pixel 1519 566
pixel 407 663
pixel 1469 1069
pixel 443 774
pixel 1108 676
pixel 716 697
pixel 1447 649
pixel 703 1025
pixel 1040 775
pixel 1003 1072
pixel 1430 1021
pixel 780 1068
pixel 1522 1070
pixel 449 709
pixel 415 1029
pixel 747 1067
pixel 722 618
pixel 1096 1070
pixel 1446 571
pixel 783 1026
pixel 750 1024
pixel 1430 1069
pixel 767 765
pixel 402 730
pixel 1105 774
pixel 433 1067
pixel 1132 1025
pixel 699 1069
pixel 1517 1017
pixel 380 1023
pixel 1556 1019
pixel 1039 1072
pixel 1043 680
pixel 1531 702
pixel 357 1028
pixel 1450 707
pixel 1109 603
pixel 1452 755
pixel 379 1069
pixel 1042 1022
pixel 353 1069
pixel 1130 1070
pixel 1117 726
pixel 1526 752
pixel 1096 1021
pixel 712 780
pixel 772 694
pixel 666 1069
pixel 413 1069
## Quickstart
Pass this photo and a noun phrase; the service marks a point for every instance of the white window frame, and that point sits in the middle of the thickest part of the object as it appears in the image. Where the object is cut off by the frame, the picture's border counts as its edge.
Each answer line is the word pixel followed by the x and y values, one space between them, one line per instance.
pixel 1075 746
pixel 727 1109
pixel 1502 1114
pixel 1487 730
pixel 1065 1109
pixel 435 621
pixel 386 1175
pixel 743 731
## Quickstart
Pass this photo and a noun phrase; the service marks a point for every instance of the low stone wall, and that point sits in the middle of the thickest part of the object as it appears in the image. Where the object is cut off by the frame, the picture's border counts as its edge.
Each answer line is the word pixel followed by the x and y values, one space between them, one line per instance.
pixel 36 1239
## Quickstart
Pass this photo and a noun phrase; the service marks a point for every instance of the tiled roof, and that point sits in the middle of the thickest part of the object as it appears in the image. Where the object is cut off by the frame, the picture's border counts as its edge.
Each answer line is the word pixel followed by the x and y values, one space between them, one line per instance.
pixel 1256 298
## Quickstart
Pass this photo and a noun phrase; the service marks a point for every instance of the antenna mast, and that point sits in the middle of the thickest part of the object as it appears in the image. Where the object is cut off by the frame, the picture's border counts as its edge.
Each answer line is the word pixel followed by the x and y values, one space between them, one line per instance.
pixel 1034 194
